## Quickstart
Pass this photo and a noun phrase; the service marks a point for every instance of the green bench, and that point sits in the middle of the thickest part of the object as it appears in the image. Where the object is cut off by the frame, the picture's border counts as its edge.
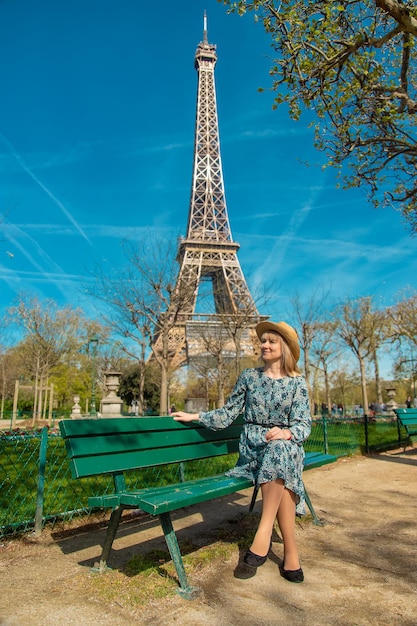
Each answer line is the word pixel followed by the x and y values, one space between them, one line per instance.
pixel 116 445
pixel 407 418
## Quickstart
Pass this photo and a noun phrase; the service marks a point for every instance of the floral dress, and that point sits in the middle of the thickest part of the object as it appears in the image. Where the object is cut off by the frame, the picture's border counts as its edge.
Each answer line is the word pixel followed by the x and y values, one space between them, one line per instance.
pixel 267 402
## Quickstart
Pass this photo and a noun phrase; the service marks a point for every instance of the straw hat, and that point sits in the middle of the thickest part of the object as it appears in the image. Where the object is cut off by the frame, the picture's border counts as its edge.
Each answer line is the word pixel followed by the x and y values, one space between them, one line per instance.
pixel 285 330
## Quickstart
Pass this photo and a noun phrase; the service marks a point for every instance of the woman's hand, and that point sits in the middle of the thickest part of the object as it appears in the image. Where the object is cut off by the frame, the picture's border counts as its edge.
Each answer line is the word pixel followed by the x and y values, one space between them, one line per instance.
pixel 181 416
pixel 278 433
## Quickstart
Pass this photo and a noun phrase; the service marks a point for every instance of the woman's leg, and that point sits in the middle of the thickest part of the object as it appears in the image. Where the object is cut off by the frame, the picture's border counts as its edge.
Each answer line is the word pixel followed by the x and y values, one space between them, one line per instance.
pixel 286 523
pixel 272 494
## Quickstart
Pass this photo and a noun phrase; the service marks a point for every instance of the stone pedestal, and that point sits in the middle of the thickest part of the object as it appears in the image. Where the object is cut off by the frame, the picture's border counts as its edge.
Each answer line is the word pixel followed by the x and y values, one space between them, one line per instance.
pixel 195 405
pixel 111 405
pixel 391 404
pixel 76 409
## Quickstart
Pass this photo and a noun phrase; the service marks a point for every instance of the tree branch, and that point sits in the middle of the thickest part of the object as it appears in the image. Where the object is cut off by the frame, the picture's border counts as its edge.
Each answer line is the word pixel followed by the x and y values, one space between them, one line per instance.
pixel 400 13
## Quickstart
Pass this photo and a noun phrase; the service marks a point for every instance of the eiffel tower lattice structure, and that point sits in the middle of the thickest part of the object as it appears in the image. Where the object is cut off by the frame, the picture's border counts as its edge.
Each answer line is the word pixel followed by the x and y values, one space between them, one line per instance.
pixel 208 252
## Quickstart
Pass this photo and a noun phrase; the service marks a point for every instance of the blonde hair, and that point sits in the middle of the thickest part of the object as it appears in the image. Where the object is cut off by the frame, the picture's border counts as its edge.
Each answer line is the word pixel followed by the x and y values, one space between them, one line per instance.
pixel 288 362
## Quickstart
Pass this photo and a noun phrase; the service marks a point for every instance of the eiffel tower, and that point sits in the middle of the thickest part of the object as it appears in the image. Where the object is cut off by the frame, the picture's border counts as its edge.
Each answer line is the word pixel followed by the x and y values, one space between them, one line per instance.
pixel 208 252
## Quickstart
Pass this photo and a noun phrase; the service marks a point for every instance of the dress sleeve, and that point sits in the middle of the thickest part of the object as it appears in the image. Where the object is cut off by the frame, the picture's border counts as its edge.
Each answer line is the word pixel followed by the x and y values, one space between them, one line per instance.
pixel 300 416
pixel 223 417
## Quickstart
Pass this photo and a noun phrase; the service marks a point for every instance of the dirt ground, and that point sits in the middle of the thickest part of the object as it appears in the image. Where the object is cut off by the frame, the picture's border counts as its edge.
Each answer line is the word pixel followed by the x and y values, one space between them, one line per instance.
pixel 360 567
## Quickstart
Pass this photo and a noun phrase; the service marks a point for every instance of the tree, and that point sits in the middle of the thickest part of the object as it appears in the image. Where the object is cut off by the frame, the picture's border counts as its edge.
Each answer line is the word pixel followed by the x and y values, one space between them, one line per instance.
pixel 205 369
pixel 7 365
pixel 344 384
pixel 354 64
pixel 130 384
pixel 215 340
pixel 8 376
pixel 144 307
pixel 308 317
pixel 240 327
pixel 324 350
pixel 122 292
pixel 403 327
pixel 403 319
pixel 362 330
pixel 50 334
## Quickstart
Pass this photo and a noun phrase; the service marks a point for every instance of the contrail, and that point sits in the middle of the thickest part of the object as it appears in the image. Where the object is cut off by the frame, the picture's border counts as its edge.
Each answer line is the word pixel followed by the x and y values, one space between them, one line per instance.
pixel 11 230
pixel 65 211
pixel 277 255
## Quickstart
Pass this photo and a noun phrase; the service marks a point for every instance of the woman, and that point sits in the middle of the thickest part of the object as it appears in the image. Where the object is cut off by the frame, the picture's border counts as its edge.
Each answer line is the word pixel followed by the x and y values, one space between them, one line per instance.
pixel 277 421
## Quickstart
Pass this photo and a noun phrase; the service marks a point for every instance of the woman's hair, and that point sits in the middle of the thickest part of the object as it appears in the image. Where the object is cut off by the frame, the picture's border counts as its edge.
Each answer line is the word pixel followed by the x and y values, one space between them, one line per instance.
pixel 288 362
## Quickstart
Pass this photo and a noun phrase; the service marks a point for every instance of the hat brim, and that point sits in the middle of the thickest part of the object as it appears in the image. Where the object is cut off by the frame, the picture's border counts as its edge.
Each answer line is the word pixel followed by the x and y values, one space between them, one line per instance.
pixel 285 330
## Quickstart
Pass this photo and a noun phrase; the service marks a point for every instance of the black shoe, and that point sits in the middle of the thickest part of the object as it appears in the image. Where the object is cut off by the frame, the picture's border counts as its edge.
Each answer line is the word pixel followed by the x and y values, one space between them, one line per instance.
pixel 293 575
pixel 254 560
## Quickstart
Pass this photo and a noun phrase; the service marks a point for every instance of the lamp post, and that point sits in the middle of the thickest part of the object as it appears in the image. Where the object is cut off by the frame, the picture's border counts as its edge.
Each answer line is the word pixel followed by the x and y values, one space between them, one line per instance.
pixel 92 349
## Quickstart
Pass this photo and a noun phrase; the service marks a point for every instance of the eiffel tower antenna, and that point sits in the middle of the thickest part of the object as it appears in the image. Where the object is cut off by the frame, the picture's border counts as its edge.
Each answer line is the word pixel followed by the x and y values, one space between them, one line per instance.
pixel 208 252
pixel 205 40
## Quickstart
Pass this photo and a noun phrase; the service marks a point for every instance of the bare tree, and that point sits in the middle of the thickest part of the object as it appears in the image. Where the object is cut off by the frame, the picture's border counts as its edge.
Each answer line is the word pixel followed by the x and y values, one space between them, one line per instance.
pixel 342 381
pixel 363 330
pixel 50 333
pixel 403 319
pixel 205 368
pixel 308 315
pixel 215 341
pixel 403 331
pixel 124 315
pixel 240 326
pixel 145 307
pixel 324 350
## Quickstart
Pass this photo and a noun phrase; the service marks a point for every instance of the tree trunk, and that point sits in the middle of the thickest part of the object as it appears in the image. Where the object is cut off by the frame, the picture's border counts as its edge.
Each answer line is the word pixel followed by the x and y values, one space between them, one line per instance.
pixel 35 399
pixel 327 387
pixel 163 400
pixel 141 390
pixel 377 380
pixel 307 376
pixel 363 384
pixel 238 349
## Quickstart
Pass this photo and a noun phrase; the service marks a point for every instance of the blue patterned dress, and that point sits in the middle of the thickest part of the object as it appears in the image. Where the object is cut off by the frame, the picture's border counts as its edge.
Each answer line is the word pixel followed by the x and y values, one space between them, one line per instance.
pixel 267 402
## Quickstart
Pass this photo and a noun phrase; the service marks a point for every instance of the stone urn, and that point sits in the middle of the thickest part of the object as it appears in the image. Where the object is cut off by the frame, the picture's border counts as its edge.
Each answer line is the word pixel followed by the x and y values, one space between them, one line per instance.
pixel 111 404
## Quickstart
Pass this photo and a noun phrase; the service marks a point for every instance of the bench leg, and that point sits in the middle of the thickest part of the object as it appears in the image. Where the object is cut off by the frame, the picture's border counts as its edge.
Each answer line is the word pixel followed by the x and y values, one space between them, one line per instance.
pixel 254 496
pixel 316 520
pixel 110 535
pixel 185 590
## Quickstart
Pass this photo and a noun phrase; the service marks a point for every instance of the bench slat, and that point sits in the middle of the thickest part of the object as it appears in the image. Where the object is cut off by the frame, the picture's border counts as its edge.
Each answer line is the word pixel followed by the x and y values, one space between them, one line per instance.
pixel 109 463
pixel 403 412
pixel 116 442
pixel 408 419
pixel 317 459
pixel 108 426
pixel 171 497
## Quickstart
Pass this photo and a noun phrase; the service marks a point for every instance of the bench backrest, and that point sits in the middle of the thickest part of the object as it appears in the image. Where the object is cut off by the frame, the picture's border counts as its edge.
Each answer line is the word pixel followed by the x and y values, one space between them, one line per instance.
pixel 407 417
pixel 100 446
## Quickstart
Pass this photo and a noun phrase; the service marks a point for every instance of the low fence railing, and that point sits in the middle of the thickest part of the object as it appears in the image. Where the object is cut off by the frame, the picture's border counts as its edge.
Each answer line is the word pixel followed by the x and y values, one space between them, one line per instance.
pixel 36 484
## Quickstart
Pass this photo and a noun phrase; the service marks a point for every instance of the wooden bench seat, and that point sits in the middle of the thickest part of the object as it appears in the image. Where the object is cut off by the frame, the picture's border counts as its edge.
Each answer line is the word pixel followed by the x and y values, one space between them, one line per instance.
pixel 117 445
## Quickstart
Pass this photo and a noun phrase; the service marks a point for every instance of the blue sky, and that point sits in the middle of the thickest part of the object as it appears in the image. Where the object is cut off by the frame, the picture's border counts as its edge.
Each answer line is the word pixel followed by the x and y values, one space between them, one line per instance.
pixel 96 145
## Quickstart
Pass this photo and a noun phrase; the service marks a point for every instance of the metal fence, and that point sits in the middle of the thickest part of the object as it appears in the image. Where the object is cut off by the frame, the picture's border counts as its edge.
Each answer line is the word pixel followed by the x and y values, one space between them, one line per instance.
pixel 36 484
